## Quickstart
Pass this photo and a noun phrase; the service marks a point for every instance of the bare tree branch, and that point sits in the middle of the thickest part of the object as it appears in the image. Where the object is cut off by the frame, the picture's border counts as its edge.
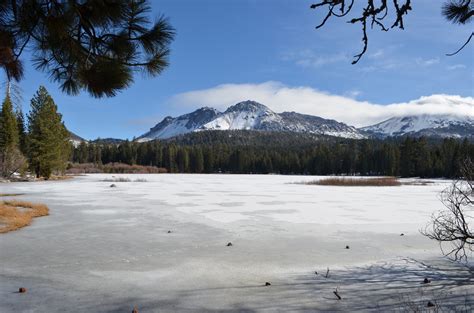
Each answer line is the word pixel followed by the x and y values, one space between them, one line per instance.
pixel 374 13
pixel 453 225
pixel 462 47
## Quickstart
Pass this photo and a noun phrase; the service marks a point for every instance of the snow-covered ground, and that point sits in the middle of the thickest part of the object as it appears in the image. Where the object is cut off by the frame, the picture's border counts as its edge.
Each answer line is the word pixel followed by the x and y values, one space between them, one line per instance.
pixel 106 249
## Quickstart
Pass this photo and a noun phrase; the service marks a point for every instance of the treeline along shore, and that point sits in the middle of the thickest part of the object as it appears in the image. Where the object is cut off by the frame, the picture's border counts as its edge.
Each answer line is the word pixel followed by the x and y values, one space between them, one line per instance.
pixel 245 152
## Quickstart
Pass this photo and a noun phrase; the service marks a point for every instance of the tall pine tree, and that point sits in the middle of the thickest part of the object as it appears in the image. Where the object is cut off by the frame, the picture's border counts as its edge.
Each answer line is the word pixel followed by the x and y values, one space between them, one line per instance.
pixel 49 145
pixel 8 126
pixel 11 159
pixel 20 121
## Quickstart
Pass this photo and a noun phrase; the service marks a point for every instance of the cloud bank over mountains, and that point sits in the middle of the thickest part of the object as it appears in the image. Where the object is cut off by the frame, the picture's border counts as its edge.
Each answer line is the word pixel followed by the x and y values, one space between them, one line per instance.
pixel 280 97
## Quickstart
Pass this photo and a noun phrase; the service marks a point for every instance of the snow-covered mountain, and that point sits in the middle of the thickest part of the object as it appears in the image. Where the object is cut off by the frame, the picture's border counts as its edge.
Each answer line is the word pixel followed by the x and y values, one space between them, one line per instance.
pixel 75 139
pixel 297 122
pixel 173 126
pixel 456 126
pixel 248 115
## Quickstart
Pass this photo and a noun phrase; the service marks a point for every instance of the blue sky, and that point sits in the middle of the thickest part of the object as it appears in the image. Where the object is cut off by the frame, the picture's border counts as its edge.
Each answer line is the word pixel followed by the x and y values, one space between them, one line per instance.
pixel 272 46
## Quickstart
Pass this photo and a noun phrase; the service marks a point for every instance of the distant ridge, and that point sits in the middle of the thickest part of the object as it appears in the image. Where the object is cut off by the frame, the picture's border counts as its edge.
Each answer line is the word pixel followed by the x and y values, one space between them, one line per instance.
pixel 75 139
pixel 248 115
pixel 253 116
pixel 428 125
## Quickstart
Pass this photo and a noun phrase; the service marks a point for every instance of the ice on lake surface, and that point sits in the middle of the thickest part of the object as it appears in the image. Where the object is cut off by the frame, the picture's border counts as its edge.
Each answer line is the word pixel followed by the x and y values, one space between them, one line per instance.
pixel 106 249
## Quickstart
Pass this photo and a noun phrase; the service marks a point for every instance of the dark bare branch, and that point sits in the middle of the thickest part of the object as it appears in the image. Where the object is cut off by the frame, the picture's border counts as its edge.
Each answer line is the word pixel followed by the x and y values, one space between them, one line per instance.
pixel 453 225
pixel 462 47
pixel 374 13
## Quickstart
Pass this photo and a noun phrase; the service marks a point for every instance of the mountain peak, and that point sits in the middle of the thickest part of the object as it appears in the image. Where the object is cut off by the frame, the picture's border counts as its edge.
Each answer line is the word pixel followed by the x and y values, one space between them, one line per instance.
pixel 252 115
pixel 206 109
pixel 247 106
pixel 174 126
pixel 248 115
pixel 431 125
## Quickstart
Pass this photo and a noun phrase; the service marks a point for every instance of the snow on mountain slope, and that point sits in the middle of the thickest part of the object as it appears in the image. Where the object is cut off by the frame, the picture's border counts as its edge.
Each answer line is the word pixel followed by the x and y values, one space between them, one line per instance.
pixel 245 115
pixel 439 116
pixel 248 115
pixel 170 126
pixel 441 125
pixel 297 122
pixel 75 139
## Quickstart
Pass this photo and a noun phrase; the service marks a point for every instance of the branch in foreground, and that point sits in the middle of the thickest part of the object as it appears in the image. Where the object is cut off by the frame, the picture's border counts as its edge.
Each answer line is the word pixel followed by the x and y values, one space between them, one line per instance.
pixel 462 47
pixel 453 225
pixel 372 14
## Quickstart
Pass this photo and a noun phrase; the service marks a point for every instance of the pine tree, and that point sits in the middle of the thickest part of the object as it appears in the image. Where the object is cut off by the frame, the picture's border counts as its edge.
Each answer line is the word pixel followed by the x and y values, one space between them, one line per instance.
pixel 20 121
pixel 208 160
pixel 8 126
pixel 182 160
pixel 82 153
pixel 48 137
pixel 97 46
pixel 197 161
pixel 11 159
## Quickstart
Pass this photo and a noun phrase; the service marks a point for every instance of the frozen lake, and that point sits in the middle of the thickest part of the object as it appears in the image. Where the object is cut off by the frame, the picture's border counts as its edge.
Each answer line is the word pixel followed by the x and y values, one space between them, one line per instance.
pixel 106 249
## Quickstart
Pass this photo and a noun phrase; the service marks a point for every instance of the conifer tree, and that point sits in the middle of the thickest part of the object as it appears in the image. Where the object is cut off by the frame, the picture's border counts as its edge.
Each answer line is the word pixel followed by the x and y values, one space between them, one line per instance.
pixel 197 161
pixel 8 126
pixel 11 159
pixel 96 46
pixel 48 137
pixel 208 160
pixel 182 160
pixel 20 121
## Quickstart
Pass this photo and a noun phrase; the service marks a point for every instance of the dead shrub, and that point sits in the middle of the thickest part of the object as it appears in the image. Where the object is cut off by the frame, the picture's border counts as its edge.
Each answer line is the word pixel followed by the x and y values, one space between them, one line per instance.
pixel 124 180
pixel 117 180
pixel 419 183
pixel 353 182
pixel 113 168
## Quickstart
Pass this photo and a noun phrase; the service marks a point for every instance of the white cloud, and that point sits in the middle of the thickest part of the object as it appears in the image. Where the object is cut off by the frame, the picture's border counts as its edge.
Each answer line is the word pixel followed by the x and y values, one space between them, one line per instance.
pixel 377 54
pixel 384 64
pixel 280 97
pixel 310 59
pixel 428 62
pixel 353 93
pixel 456 67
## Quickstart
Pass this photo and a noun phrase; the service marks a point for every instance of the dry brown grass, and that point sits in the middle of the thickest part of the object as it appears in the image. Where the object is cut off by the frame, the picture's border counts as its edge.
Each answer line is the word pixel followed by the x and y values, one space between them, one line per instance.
pixel 352 182
pixel 57 177
pixel 419 183
pixel 17 214
pixel 124 180
pixel 11 194
pixel 113 168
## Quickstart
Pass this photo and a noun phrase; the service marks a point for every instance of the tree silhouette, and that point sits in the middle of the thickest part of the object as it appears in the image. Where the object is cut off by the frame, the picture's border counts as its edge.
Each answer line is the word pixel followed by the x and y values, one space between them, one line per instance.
pixel 376 13
pixel 89 45
pixel 453 226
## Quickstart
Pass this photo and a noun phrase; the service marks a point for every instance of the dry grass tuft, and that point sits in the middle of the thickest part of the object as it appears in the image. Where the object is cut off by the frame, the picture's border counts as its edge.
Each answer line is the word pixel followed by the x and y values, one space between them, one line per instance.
pixel 419 183
pixel 113 168
pixel 124 180
pixel 17 214
pixel 352 182
pixel 60 177
pixel 117 180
